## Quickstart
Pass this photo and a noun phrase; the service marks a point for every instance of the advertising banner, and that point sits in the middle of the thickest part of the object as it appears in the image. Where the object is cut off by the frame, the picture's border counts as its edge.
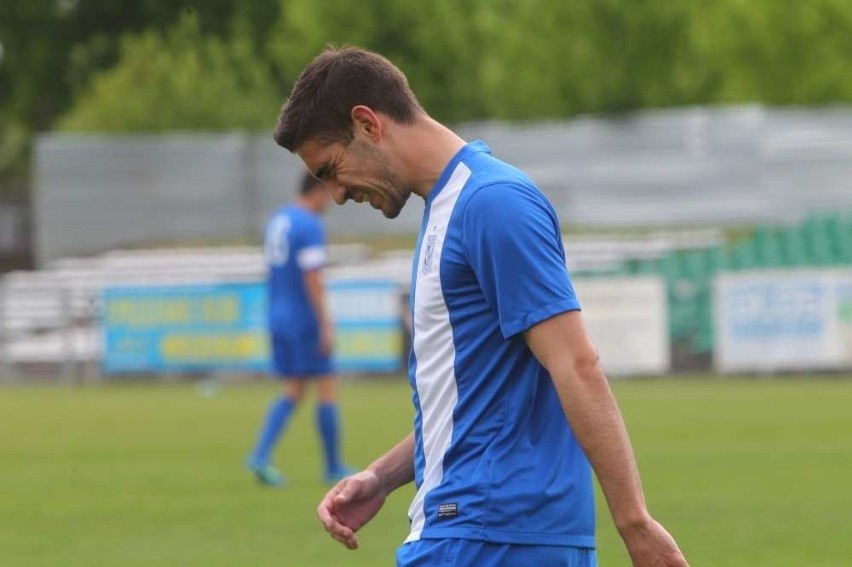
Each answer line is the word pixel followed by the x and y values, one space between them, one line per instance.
pixel 184 328
pixel 627 319
pixel 223 327
pixel 367 325
pixel 783 321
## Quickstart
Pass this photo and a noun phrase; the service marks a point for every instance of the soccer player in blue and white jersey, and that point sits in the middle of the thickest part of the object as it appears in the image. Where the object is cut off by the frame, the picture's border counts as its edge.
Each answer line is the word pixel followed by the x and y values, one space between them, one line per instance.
pixel 500 356
pixel 299 328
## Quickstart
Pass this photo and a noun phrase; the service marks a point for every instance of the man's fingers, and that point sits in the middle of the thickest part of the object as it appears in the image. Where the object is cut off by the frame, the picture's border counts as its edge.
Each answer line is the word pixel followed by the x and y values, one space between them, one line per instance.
pixel 344 535
pixel 332 524
pixel 326 515
pixel 323 512
pixel 334 506
pixel 347 490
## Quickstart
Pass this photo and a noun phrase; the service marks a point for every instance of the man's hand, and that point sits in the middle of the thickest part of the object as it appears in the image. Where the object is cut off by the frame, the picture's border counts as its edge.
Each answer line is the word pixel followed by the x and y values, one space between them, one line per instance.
pixel 349 505
pixel 650 545
pixel 326 338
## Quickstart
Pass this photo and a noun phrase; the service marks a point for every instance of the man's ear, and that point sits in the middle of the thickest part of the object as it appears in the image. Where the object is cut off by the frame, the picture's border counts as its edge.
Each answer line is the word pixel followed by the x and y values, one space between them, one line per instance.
pixel 366 121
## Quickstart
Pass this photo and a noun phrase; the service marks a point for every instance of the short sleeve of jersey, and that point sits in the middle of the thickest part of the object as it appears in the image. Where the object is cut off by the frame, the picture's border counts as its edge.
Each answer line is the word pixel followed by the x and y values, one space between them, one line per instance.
pixel 514 245
pixel 312 253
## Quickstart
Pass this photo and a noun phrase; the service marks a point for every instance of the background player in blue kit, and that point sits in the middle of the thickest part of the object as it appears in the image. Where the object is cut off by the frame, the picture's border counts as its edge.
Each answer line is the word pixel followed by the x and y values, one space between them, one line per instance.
pixel 500 356
pixel 299 328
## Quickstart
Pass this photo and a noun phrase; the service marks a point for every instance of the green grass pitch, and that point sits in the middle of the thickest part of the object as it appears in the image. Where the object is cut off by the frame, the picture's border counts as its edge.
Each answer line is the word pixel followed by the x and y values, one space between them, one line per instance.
pixel 744 472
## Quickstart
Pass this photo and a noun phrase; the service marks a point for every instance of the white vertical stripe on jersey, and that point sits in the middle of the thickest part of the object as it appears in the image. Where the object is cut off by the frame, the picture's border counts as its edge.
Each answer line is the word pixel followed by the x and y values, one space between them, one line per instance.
pixel 434 348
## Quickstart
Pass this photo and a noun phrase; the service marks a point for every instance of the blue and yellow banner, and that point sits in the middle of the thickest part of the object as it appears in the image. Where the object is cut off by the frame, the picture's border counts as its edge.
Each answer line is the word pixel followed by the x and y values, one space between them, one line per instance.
pixel 368 334
pixel 192 327
pixel 223 326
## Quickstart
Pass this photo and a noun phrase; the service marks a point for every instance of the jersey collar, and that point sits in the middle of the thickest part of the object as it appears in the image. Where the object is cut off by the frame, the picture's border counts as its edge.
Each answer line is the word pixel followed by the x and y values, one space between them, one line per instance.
pixel 469 149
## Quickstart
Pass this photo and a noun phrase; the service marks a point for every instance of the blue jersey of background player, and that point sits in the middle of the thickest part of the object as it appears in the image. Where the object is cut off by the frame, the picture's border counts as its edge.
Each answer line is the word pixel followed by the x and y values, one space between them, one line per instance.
pixel 500 355
pixel 300 330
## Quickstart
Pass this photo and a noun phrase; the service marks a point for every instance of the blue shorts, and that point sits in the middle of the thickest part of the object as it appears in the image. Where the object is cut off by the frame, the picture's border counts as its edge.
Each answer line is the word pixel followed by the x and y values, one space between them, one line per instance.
pixel 299 356
pixel 469 553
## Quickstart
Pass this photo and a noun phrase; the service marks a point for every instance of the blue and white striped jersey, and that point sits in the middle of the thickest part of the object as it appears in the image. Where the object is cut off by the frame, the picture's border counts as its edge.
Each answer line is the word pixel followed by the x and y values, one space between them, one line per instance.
pixel 495 457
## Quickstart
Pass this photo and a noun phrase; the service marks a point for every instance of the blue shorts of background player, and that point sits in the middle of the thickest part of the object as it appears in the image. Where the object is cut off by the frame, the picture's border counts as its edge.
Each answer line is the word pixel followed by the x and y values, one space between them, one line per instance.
pixel 469 553
pixel 298 359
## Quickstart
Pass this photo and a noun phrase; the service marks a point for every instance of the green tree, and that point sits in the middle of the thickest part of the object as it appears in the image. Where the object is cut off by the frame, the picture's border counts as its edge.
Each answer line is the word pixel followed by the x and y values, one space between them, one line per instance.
pixel 437 44
pixel 180 79
pixel 51 49
pixel 589 56
pixel 508 59
pixel 466 59
pixel 778 53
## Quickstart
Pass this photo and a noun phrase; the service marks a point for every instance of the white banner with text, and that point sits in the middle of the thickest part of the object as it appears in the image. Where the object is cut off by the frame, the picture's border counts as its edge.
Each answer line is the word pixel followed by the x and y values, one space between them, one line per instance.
pixel 780 321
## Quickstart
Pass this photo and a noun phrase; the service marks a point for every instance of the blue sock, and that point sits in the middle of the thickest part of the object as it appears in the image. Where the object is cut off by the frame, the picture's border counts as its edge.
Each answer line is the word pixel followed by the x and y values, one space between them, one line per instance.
pixel 276 421
pixel 328 428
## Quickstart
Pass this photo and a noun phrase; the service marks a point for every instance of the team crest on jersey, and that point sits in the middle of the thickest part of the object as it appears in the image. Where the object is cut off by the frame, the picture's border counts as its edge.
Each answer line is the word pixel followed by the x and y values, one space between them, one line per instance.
pixel 429 253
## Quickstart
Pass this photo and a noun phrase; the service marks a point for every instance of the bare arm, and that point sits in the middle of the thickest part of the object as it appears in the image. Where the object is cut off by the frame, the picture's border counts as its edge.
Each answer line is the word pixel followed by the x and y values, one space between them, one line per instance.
pixel 565 350
pixel 316 295
pixel 356 499
pixel 396 467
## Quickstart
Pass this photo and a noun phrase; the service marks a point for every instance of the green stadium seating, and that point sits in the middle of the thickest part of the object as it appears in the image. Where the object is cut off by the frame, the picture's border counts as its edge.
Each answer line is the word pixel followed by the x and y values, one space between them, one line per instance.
pixel 844 239
pixel 768 247
pixel 817 241
pixel 793 247
pixel 823 239
pixel 744 255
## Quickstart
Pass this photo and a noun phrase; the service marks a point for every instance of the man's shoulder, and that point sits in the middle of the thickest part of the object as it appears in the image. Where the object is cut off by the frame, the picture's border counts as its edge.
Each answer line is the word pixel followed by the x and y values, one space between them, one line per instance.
pixel 502 186
pixel 486 167
pixel 296 216
pixel 488 171
pixel 282 212
pixel 501 198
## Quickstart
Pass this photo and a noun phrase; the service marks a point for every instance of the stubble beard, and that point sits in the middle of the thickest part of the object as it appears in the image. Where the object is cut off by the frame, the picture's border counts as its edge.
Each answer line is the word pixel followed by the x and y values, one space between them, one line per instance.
pixel 395 192
pixel 400 194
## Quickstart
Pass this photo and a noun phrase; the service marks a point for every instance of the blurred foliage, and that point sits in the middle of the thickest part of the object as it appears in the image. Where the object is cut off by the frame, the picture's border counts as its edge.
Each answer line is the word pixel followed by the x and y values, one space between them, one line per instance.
pixel 101 65
pixel 439 44
pixel 51 50
pixel 178 79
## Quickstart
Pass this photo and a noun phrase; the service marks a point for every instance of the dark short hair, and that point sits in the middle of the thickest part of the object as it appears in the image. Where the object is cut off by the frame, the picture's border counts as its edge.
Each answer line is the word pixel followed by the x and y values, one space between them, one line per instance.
pixel 337 80
pixel 309 183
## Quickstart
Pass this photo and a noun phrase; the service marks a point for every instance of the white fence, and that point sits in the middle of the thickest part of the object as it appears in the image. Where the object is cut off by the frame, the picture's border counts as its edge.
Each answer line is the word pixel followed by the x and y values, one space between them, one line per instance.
pixel 675 167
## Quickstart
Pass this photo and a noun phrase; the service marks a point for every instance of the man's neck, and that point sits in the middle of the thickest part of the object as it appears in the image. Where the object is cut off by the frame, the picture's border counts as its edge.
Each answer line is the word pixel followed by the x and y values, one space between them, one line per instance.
pixel 306 204
pixel 425 150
